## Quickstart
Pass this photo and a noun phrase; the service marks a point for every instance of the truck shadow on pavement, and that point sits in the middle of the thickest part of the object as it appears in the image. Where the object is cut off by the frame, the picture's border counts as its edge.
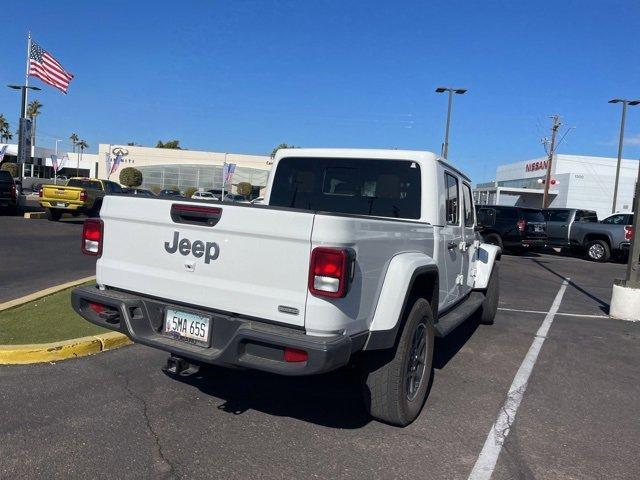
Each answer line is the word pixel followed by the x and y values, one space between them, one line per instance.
pixel 332 400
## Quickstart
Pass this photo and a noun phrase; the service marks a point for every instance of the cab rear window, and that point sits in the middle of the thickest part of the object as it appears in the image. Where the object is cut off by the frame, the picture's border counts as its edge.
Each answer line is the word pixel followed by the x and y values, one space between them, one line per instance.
pixel 383 188
pixel 5 177
pixel 84 183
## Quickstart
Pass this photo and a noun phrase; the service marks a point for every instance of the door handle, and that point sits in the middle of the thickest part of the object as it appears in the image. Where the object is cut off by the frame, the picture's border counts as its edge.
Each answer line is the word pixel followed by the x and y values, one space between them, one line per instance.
pixel 452 245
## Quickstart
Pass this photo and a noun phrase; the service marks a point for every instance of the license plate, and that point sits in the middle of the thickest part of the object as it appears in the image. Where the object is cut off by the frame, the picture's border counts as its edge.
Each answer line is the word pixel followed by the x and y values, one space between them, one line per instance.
pixel 187 327
pixel 61 204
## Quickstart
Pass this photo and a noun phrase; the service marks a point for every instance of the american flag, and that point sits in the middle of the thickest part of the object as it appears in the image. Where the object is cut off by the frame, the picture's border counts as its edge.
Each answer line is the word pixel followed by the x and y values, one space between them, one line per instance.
pixel 43 66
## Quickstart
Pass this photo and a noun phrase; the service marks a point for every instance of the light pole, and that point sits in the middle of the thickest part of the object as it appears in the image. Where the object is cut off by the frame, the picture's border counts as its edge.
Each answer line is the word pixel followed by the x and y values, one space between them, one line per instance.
pixel 22 155
pixel 624 102
pixel 450 91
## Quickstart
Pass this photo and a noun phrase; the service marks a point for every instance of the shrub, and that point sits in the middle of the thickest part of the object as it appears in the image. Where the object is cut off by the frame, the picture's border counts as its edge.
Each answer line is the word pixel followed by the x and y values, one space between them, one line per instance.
pixel 244 188
pixel 12 168
pixel 190 191
pixel 131 177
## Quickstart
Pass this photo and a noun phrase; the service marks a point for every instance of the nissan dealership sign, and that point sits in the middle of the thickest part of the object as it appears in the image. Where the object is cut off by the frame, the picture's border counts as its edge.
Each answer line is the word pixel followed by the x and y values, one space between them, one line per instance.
pixel 537 165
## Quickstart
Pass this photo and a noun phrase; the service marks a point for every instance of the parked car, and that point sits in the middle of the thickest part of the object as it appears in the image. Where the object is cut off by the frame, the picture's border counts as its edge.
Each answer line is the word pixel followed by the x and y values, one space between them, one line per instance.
pixel 560 222
pixel 203 196
pixel 257 201
pixel 374 254
pixel 8 193
pixel 170 193
pixel 611 236
pixel 78 196
pixel 217 192
pixel 233 197
pixel 141 192
pixel 512 228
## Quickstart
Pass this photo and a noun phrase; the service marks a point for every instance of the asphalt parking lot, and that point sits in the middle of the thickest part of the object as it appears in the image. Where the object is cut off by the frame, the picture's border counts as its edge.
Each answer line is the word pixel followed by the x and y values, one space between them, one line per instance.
pixel 117 415
pixel 36 254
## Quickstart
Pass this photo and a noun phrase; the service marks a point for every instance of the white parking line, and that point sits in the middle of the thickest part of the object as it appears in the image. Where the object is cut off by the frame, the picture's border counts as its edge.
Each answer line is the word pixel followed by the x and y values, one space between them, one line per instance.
pixel 486 463
pixel 557 313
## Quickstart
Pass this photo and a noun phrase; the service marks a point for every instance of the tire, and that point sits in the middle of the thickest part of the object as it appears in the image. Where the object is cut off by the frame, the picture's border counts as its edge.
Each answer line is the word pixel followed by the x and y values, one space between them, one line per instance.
pixel 489 308
pixel 494 239
pixel 54 215
pixel 396 381
pixel 598 251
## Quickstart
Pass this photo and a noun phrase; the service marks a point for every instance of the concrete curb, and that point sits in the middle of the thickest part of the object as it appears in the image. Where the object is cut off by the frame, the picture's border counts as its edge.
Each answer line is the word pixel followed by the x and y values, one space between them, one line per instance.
pixel 43 293
pixel 35 215
pixel 56 351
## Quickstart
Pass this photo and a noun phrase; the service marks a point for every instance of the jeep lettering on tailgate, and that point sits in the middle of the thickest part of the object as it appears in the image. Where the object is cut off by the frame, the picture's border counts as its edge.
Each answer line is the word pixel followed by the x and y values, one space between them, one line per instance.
pixel 198 248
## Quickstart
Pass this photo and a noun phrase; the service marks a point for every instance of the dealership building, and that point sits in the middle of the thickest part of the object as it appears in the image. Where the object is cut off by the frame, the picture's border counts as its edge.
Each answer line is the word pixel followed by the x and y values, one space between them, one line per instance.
pixel 578 181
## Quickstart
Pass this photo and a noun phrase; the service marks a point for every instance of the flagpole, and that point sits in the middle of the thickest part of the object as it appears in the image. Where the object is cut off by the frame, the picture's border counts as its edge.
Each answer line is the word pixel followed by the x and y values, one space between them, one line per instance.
pixel 26 76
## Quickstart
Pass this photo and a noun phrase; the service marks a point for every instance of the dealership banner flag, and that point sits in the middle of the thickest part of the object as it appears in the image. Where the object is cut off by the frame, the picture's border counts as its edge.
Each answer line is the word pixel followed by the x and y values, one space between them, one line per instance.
pixel 227 171
pixel 54 162
pixel 116 163
pixel 3 150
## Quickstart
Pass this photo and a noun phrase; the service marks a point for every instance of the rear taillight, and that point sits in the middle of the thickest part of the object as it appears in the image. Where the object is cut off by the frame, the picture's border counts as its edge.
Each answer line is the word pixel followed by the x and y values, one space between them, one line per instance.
pixel 293 355
pixel 522 225
pixel 628 232
pixel 13 190
pixel 40 193
pixel 329 272
pixel 83 196
pixel 92 237
pixel 96 307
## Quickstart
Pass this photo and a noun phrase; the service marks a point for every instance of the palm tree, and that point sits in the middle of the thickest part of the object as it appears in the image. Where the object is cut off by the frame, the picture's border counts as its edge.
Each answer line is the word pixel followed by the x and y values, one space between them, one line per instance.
pixel 74 139
pixel 81 145
pixel 5 132
pixel 33 110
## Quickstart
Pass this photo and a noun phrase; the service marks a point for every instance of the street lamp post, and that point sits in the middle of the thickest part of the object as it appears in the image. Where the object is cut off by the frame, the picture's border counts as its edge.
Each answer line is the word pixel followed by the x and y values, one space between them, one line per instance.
pixel 22 155
pixel 624 102
pixel 450 91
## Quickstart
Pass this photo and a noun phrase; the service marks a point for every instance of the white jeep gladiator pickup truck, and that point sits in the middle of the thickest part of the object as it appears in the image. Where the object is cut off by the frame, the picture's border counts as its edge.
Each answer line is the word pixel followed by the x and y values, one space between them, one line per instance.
pixel 359 256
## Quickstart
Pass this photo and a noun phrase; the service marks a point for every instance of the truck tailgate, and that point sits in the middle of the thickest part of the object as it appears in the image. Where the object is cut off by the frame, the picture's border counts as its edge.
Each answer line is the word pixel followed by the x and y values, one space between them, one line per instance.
pixel 253 261
pixel 58 192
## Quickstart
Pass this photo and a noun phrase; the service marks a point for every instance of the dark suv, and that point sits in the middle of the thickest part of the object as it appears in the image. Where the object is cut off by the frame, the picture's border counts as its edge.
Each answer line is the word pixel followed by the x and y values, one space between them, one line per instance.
pixel 512 228
pixel 8 193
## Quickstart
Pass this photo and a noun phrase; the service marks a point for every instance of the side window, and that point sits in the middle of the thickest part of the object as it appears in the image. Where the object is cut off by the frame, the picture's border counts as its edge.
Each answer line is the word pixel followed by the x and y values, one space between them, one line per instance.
pixel 559 216
pixel 615 219
pixel 452 201
pixel 468 206
pixel 107 187
pixel 115 188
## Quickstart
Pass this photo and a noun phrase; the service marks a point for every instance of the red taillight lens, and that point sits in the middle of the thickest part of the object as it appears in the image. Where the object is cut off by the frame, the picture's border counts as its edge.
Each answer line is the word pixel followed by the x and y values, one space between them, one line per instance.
pixel 40 193
pixel 13 190
pixel 83 196
pixel 329 272
pixel 294 355
pixel 628 232
pixel 96 307
pixel 92 237
pixel 522 225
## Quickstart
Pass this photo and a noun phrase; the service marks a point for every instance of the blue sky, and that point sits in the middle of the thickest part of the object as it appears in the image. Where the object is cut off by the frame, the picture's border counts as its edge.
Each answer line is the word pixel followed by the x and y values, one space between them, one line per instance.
pixel 245 75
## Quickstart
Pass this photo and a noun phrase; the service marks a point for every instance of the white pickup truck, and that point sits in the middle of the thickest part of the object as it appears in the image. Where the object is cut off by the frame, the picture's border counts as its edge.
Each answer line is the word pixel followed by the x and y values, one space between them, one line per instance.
pixel 359 256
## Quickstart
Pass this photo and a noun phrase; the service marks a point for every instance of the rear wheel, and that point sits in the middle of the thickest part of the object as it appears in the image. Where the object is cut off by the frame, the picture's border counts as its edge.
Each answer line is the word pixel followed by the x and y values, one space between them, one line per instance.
pixel 53 214
pixel 494 239
pixel 489 308
pixel 598 251
pixel 397 380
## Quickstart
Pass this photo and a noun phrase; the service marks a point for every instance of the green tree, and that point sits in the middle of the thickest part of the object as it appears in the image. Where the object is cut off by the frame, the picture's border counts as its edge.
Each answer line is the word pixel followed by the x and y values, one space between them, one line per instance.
pixel 282 145
pixel 5 129
pixel 81 145
pixel 173 144
pixel 33 110
pixel 131 177
pixel 12 168
pixel 74 140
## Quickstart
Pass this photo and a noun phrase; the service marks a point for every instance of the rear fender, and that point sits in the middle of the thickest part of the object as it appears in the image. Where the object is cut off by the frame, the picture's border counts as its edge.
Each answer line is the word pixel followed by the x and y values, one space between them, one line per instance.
pixel 487 255
pixel 399 280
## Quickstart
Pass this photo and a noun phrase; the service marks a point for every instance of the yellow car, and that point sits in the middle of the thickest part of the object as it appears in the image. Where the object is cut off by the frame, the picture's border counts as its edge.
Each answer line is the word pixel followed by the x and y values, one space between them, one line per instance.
pixel 79 195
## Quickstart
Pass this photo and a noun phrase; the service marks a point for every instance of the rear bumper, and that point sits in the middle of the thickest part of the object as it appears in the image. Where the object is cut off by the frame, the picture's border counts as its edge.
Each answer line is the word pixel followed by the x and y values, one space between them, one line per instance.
pixel 235 342
pixel 8 202
pixel 68 205
pixel 534 242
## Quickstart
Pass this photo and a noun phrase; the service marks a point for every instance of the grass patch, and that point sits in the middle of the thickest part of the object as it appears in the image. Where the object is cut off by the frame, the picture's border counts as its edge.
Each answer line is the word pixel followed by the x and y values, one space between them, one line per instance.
pixel 47 319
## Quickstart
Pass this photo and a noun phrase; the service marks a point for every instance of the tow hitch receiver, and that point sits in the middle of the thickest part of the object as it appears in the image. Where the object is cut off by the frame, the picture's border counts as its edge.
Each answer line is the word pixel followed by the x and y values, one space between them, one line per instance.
pixel 179 366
